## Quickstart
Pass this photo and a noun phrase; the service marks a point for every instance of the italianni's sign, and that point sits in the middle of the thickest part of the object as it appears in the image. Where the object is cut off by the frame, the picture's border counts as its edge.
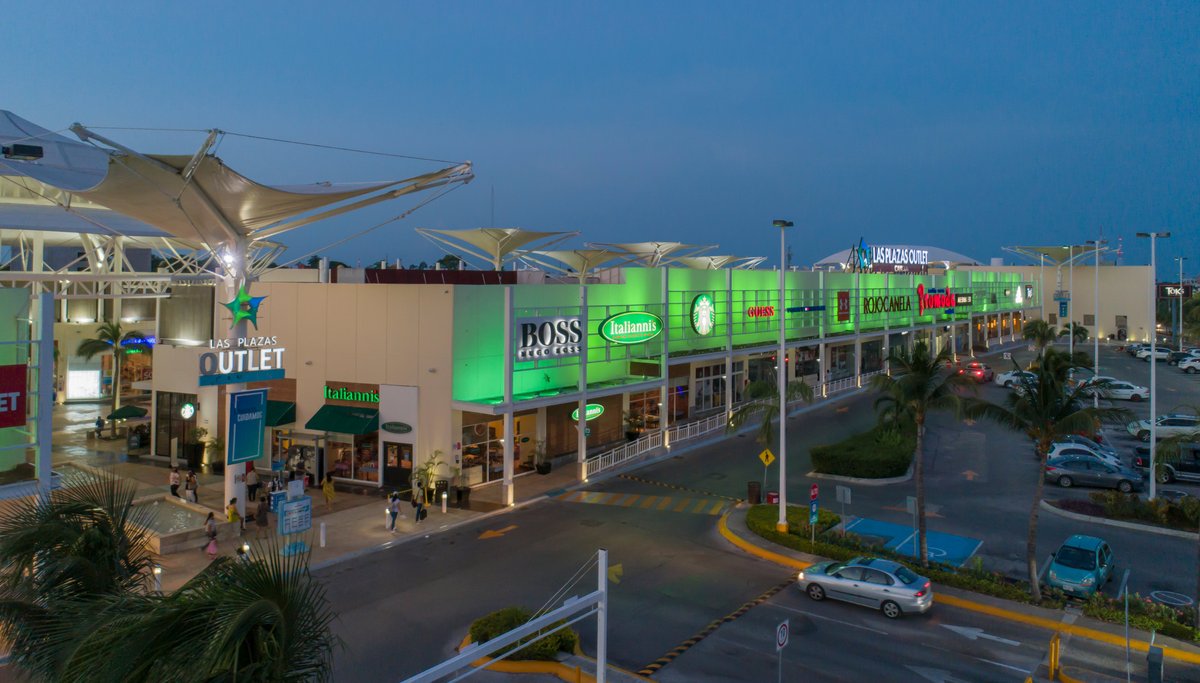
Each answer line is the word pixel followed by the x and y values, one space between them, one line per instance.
pixel 631 327
pixel 344 394
pixel 539 338
pixel 591 412
pixel 247 359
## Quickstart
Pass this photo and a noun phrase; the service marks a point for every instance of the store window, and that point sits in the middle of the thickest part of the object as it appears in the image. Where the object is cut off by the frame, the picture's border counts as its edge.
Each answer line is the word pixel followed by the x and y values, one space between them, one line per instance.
pixel 872 352
pixel 354 456
pixel 644 407
pixel 169 423
pixel 483 448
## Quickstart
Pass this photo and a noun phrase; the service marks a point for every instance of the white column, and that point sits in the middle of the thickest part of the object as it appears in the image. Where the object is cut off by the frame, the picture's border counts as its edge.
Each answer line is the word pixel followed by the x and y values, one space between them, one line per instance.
pixel 45 389
pixel 581 425
pixel 507 494
pixel 1071 298
pixel 782 523
pixel 1153 322
pixel 858 307
pixel 729 342
pixel 664 390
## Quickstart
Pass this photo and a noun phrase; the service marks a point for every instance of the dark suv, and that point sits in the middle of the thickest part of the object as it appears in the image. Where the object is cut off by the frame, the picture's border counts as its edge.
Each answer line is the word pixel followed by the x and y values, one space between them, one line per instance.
pixel 1185 468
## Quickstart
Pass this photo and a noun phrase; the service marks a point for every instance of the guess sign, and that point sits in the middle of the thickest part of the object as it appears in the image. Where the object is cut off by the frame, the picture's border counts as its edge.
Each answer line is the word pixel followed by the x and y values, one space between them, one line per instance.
pixel 12 395
pixel 932 299
pixel 761 311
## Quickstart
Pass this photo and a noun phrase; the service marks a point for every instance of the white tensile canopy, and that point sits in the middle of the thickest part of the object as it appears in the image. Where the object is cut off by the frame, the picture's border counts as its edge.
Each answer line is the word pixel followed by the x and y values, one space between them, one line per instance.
pixel 494 246
pixel 193 197
pixel 651 254
pixel 580 262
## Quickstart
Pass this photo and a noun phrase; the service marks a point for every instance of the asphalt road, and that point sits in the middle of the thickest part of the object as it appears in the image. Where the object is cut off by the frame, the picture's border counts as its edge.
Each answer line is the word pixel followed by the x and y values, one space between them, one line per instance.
pixel 406 608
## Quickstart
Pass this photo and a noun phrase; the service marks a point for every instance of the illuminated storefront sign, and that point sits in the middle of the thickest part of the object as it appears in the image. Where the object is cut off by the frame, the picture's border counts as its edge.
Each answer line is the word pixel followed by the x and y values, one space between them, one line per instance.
pixel 591 412
pixel 864 258
pixel 13 380
pixel 1173 290
pixel 761 311
pixel 396 427
pixel 344 394
pixel 247 359
pixel 631 327
pixel 1029 292
pixel 187 410
pixel 843 299
pixel 963 299
pixel 704 314
pixel 928 299
pixel 886 304
pixel 539 338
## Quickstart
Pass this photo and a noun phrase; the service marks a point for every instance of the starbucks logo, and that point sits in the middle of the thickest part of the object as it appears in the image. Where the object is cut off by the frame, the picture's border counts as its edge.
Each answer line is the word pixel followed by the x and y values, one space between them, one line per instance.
pixel 704 314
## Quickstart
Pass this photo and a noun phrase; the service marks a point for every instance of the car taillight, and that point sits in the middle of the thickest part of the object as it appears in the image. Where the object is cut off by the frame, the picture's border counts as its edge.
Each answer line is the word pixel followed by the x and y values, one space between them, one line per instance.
pixel 924 589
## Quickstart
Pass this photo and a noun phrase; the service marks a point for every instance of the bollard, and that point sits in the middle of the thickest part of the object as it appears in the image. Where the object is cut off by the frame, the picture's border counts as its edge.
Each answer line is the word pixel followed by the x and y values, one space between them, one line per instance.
pixel 322 534
pixel 1154 663
pixel 444 496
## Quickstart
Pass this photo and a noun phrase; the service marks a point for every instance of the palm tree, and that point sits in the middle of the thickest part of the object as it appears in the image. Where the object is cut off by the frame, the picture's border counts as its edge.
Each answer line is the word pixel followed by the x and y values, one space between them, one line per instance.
pixel 1079 332
pixel 82 541
pixel 1046 410
pixel 109 338
pixel 762 401
pixel 1040 333
pixel 917 386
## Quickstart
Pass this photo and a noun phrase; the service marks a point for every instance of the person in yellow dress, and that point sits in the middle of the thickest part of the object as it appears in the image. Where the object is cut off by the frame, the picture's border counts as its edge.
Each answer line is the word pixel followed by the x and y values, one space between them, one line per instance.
pixel 327 489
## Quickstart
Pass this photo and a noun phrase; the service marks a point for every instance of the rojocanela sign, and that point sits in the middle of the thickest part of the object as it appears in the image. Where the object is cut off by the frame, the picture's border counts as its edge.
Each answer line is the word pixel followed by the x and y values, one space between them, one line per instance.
pixel 591 412
pixel 704 314
pixel 897 303
pixel 631 327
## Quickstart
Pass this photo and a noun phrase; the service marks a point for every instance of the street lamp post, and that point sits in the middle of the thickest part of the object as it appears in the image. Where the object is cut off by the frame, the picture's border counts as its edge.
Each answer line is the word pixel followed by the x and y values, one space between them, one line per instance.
pixel 1153 312
pixel 780 374
pixel 1179 339
pixel 1096 244
pixel 1070 300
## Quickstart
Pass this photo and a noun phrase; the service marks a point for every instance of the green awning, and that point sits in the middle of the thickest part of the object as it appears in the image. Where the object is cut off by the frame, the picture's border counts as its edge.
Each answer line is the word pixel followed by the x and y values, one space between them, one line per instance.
pixel 127 413
pixel 280 413
pixel 344 420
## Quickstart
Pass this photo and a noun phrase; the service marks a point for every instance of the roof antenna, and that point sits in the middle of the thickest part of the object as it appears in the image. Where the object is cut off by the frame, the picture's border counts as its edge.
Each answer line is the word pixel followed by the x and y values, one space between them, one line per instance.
pixel 493 223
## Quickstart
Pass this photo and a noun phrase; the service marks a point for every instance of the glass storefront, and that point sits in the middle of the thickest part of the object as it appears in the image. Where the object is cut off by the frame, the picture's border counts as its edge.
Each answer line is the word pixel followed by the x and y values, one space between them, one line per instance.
pixel 169 424
pixel 643 409
pixel 353 456
pixel 710 386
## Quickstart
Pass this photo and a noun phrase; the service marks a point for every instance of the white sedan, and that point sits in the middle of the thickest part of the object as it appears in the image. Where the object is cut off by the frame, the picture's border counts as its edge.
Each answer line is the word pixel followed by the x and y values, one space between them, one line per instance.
pixel 1191 366
pixel 1014 377
pixel 1114 390
pixel 1160 353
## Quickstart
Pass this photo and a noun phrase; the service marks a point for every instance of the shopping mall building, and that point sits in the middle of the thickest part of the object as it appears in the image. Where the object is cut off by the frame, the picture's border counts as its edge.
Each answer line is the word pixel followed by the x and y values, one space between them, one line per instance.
pixel 368 378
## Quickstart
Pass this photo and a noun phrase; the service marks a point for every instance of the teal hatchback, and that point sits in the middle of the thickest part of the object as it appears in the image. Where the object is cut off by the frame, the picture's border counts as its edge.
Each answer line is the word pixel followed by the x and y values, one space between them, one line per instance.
pixel 1081 566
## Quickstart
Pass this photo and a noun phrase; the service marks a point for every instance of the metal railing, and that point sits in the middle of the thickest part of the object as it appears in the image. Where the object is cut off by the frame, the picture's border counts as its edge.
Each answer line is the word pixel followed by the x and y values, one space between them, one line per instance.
pixel 620 454
pixel 692 430
pixel 840 385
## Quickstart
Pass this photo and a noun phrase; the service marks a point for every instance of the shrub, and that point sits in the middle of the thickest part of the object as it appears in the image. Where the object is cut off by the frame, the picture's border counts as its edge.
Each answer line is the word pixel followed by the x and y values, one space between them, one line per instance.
pixel 499 622
pixel 877 453
pixel 1182 515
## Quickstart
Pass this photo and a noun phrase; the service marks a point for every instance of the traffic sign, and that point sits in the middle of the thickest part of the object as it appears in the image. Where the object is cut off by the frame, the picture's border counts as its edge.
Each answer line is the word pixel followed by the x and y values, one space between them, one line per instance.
pixel 812 492
pixel 1007 355
pixel 767 457
pixel 843 494
pixel 781 635
pixel 812 512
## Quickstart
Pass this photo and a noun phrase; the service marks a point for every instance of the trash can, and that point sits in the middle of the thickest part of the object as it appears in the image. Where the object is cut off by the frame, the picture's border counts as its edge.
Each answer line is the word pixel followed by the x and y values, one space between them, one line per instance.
pixel 440 487
pixel 753 492
pixel 462 497
pixel 772 497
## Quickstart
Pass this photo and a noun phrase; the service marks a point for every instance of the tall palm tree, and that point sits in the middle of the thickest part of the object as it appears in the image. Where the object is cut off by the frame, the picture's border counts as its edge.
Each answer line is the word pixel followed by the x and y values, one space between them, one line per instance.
pixel 1040 333
pixel 1046 409
pixel 1079 332
pixel 762 402
pixel 110 338
pixel 918 385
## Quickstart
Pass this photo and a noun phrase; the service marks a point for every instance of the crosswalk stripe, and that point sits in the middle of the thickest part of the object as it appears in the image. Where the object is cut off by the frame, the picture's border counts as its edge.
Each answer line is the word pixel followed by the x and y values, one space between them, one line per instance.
pixel 682 505
pixel 665 502
pixel 701 505
pixel 717 507
pixel 649 502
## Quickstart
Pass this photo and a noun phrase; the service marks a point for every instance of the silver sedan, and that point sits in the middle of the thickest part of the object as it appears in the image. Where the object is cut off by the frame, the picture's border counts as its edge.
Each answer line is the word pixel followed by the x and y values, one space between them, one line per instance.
pixel 880 584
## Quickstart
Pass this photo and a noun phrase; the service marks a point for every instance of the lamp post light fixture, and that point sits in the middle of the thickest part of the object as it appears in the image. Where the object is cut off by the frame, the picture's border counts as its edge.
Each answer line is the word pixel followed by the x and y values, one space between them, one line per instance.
pixel 1096 245
pixel 780 375
pixel 1152 310
pixel 158 578
pixel 1179 339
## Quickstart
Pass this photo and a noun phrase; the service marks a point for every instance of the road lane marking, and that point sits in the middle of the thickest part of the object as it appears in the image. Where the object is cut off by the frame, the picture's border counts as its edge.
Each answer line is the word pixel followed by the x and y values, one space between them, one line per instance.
pixel 682 505
pixel 700 506
pixel 797 610
pixel 974 633
pixel 717 507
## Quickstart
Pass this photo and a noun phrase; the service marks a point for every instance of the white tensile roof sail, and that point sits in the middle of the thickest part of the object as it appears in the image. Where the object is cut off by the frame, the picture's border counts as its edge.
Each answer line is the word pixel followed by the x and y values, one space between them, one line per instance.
pixel 580 262
pixel 193 197
pixel 651 254
pixel 495 246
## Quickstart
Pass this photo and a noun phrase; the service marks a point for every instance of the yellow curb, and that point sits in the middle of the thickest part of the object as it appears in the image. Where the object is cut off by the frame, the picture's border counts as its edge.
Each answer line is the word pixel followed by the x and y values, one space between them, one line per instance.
pixel 962 603
pixel 557 669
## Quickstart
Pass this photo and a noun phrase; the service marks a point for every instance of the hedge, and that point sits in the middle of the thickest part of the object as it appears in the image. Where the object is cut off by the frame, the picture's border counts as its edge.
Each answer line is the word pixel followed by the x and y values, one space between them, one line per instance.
pixel 502 621
pixel 1149 616
pixel 877 453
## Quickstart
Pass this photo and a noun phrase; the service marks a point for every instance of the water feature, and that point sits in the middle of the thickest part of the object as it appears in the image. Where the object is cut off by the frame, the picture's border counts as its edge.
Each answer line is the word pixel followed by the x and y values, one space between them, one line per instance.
pixel 168 516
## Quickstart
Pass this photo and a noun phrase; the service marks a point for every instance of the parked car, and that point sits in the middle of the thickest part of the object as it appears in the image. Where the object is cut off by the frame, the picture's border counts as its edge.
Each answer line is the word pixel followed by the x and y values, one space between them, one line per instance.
pixel 1060 449
pixel 1077 470
pixel 1094 379
pixel 1081 565
pixel 1178 356
pixel 1191 365
pixel 1168 425
pixel 977 371
pixel 881 584
pixel 1132 349
pixel 1013 377
pixel 1093 444
pixel 1160 353
pixel 1184 468
pixel 1114 390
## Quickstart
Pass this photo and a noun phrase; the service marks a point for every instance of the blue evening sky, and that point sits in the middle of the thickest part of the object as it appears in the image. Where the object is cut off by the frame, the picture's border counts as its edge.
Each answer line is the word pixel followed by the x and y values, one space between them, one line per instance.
pixel 965 125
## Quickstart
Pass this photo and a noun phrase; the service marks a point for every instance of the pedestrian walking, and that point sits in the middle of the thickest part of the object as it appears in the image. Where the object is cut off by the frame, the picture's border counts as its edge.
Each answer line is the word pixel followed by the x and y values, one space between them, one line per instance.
pixel 327 489
pixel 419 502
pixel 99 426
pixel 393 510
pixel 261 521
pixel 210 530
pixel 231 513
pixel 252 483
pixel 191 487
pixel 173 479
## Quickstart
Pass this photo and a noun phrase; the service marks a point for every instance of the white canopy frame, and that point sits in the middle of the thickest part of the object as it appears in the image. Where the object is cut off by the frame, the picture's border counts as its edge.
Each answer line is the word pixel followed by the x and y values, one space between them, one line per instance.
pixel 492 246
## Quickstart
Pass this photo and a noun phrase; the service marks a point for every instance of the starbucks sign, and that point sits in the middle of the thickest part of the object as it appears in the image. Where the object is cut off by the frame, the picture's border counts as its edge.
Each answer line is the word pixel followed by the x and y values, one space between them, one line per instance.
pixel 631 327
pixel 704 314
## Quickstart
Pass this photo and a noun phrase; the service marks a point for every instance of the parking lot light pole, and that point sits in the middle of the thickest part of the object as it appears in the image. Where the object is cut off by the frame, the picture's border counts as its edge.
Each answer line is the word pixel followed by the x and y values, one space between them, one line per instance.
pixel 1096 244
pixel 1152 310
pixel 781 376
pixel 1179 339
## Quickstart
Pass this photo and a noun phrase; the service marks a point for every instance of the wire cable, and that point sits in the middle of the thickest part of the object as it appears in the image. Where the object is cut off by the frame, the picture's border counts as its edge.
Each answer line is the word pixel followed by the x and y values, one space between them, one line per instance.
pixel 571 583
pixel 341 149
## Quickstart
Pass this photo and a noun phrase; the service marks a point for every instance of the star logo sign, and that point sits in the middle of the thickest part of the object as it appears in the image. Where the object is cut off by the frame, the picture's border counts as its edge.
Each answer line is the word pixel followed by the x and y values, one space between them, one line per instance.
pixel 244 307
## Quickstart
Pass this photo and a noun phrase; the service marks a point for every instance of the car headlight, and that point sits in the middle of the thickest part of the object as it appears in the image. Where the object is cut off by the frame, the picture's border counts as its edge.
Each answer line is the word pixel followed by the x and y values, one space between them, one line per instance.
pixel 1053 575
pixel 800 576
pixel 1088 581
